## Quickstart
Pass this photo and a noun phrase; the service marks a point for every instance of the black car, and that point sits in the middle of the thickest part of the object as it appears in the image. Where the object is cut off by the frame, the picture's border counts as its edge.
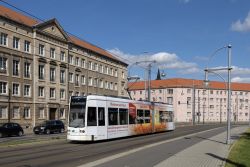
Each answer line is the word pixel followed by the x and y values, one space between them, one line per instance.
pixel 10 129
pixel 50 126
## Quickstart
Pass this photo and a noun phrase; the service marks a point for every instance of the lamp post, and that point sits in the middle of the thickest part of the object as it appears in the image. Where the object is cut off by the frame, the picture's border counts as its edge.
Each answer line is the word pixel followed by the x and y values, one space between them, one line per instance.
pixel 213 70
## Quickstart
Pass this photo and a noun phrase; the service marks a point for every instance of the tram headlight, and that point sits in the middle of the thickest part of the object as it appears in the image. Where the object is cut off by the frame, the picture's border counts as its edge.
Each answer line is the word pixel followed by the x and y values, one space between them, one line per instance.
pixel 82 131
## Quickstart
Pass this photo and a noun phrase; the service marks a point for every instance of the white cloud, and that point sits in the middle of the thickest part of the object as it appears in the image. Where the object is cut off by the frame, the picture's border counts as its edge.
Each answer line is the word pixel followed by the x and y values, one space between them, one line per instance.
pixel 242 26
pixel 240 79
pixel 164 60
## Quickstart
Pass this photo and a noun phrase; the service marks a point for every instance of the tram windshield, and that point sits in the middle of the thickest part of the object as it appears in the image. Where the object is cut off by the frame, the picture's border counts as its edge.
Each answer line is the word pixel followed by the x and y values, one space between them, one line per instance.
pixel 77 112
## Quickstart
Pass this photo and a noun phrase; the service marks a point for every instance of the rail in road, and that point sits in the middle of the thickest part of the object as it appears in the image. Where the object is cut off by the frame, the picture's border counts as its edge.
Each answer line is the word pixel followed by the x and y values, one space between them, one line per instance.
pixel 68 154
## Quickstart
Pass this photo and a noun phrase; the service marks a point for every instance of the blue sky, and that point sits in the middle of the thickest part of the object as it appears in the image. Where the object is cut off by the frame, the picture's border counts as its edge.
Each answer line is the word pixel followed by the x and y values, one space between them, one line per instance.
pixel 179 34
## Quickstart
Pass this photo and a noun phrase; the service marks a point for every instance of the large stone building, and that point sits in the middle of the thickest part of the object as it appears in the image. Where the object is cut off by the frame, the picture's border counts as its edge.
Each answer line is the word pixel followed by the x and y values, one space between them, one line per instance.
pixel 41 66
pixel 191 100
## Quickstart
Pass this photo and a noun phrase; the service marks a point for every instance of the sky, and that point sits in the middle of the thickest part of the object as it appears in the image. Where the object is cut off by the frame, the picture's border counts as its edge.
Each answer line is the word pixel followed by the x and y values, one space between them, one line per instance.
pixel 180 36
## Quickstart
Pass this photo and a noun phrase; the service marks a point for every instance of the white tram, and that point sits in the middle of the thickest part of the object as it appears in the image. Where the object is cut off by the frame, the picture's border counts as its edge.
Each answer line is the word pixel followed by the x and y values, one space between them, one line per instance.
pixel 94 118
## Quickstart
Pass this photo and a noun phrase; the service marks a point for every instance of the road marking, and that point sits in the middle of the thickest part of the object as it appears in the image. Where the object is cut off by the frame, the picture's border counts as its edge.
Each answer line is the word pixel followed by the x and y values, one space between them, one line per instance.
pixel 110 158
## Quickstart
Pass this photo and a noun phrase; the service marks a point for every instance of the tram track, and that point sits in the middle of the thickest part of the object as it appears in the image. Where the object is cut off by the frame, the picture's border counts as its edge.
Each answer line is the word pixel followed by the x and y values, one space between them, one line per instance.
pixel 71 152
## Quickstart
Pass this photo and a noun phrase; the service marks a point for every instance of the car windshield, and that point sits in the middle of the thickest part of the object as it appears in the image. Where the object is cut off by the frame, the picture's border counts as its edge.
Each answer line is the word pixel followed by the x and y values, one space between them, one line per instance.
pixel 77 116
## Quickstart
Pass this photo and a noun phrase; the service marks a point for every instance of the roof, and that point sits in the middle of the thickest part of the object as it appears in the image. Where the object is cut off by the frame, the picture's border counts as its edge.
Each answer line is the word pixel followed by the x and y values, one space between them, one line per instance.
pixel 187 83
pixel 17 17
pixel 30 22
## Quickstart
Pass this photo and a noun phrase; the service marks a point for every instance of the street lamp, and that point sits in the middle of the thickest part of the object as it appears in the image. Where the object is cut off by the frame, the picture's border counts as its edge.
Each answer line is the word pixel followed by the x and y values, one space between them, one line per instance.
pixel 206 82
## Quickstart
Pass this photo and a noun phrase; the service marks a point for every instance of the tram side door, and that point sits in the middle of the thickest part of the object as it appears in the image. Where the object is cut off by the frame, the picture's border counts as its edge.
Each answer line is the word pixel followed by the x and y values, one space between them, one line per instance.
pixel 101 121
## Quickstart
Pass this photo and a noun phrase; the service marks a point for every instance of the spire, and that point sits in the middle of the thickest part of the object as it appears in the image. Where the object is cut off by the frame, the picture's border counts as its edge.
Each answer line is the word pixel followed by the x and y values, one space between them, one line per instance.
pixel 158 75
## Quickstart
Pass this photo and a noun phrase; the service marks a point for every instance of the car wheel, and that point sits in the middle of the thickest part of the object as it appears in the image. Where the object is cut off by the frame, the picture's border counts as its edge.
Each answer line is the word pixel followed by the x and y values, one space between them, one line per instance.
pixel 20 133
pixel 47 131
pixel 62 130
pixel 1 135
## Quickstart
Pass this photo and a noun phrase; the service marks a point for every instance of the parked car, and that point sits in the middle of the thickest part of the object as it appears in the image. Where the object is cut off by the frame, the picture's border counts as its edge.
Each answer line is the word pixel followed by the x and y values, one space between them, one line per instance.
pixel 50 126
pixel 10 129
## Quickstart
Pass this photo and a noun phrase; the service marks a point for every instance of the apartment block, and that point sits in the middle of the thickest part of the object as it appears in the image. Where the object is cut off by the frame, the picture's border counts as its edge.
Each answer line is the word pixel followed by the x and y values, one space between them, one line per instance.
pixel 41 66
pixel 191 100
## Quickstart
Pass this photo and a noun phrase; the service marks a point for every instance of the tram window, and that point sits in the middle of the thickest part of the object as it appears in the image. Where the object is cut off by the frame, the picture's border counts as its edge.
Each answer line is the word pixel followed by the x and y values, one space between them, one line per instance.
pixel 92 116
pixel 123 114
pixel 101 116
pixel 113 116
pixel 140 117
pixel 132 116
pixel 163 116
pixel 147 116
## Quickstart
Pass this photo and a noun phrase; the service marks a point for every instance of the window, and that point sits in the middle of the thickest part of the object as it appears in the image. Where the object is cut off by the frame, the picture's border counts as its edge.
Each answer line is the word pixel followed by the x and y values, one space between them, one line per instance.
pixel 83 63
pixel 90 81
pixel 116 88
pixel 95 82
pixel 147 116
pixel 188 90
pixel 62 113
pixel 90 65
pixel 62 94
pixel 3 112
pixel 113 116
pixel 123 75
pixel 101 116
pixel 95 67
pixel 62 56
pixel 140 116
pixel 71 75
pixel 101 83
pixel 70 59
pixel 116 74
pixel 123 115
pixel 26 90
pixel 52 74
pixel 77 80
pixel 26 46
pixel 52 93
pixel 3 39
pixel 3 88
pixel 15 67
pixel 41 91
pixel 3 64
pixel 170 91
pixel 26 69
pixel 52 53
pixel 92 116
pixel 101 68
pixel 41 113
pixel 16 113
pixel 189 101
pixel 62 76
pixel 26 112
pixel 77 61
pixel 77 94
pixel 41 71
pixel 16 42
pixel 111 71
pixel 83 80
pixel 170 100
pixel 41 50
pixel 15 89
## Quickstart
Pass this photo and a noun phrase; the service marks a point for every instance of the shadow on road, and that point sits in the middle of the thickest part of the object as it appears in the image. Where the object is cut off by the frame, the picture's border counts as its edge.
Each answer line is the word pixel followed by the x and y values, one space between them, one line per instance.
pixel 226 160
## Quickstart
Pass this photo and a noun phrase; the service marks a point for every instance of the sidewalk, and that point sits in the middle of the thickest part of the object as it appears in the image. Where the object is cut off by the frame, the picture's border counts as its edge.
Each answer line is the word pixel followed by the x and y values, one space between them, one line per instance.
pixel 209 153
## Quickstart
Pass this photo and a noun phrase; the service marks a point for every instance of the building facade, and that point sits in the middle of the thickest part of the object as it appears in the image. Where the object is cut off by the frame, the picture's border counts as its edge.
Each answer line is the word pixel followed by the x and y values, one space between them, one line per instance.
pixel 192 101
pixel 41 66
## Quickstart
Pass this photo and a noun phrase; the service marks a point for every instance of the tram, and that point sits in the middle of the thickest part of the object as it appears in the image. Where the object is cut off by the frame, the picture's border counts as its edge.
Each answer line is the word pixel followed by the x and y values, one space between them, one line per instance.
pixel 93 118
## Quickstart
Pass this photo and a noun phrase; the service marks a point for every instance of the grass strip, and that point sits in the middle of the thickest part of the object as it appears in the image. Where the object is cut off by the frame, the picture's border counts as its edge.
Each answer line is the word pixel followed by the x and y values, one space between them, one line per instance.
pixel 239 156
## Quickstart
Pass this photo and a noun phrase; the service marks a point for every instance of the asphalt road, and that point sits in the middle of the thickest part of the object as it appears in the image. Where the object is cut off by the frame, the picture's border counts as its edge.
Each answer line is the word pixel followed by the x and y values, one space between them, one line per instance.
pixel 63 153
